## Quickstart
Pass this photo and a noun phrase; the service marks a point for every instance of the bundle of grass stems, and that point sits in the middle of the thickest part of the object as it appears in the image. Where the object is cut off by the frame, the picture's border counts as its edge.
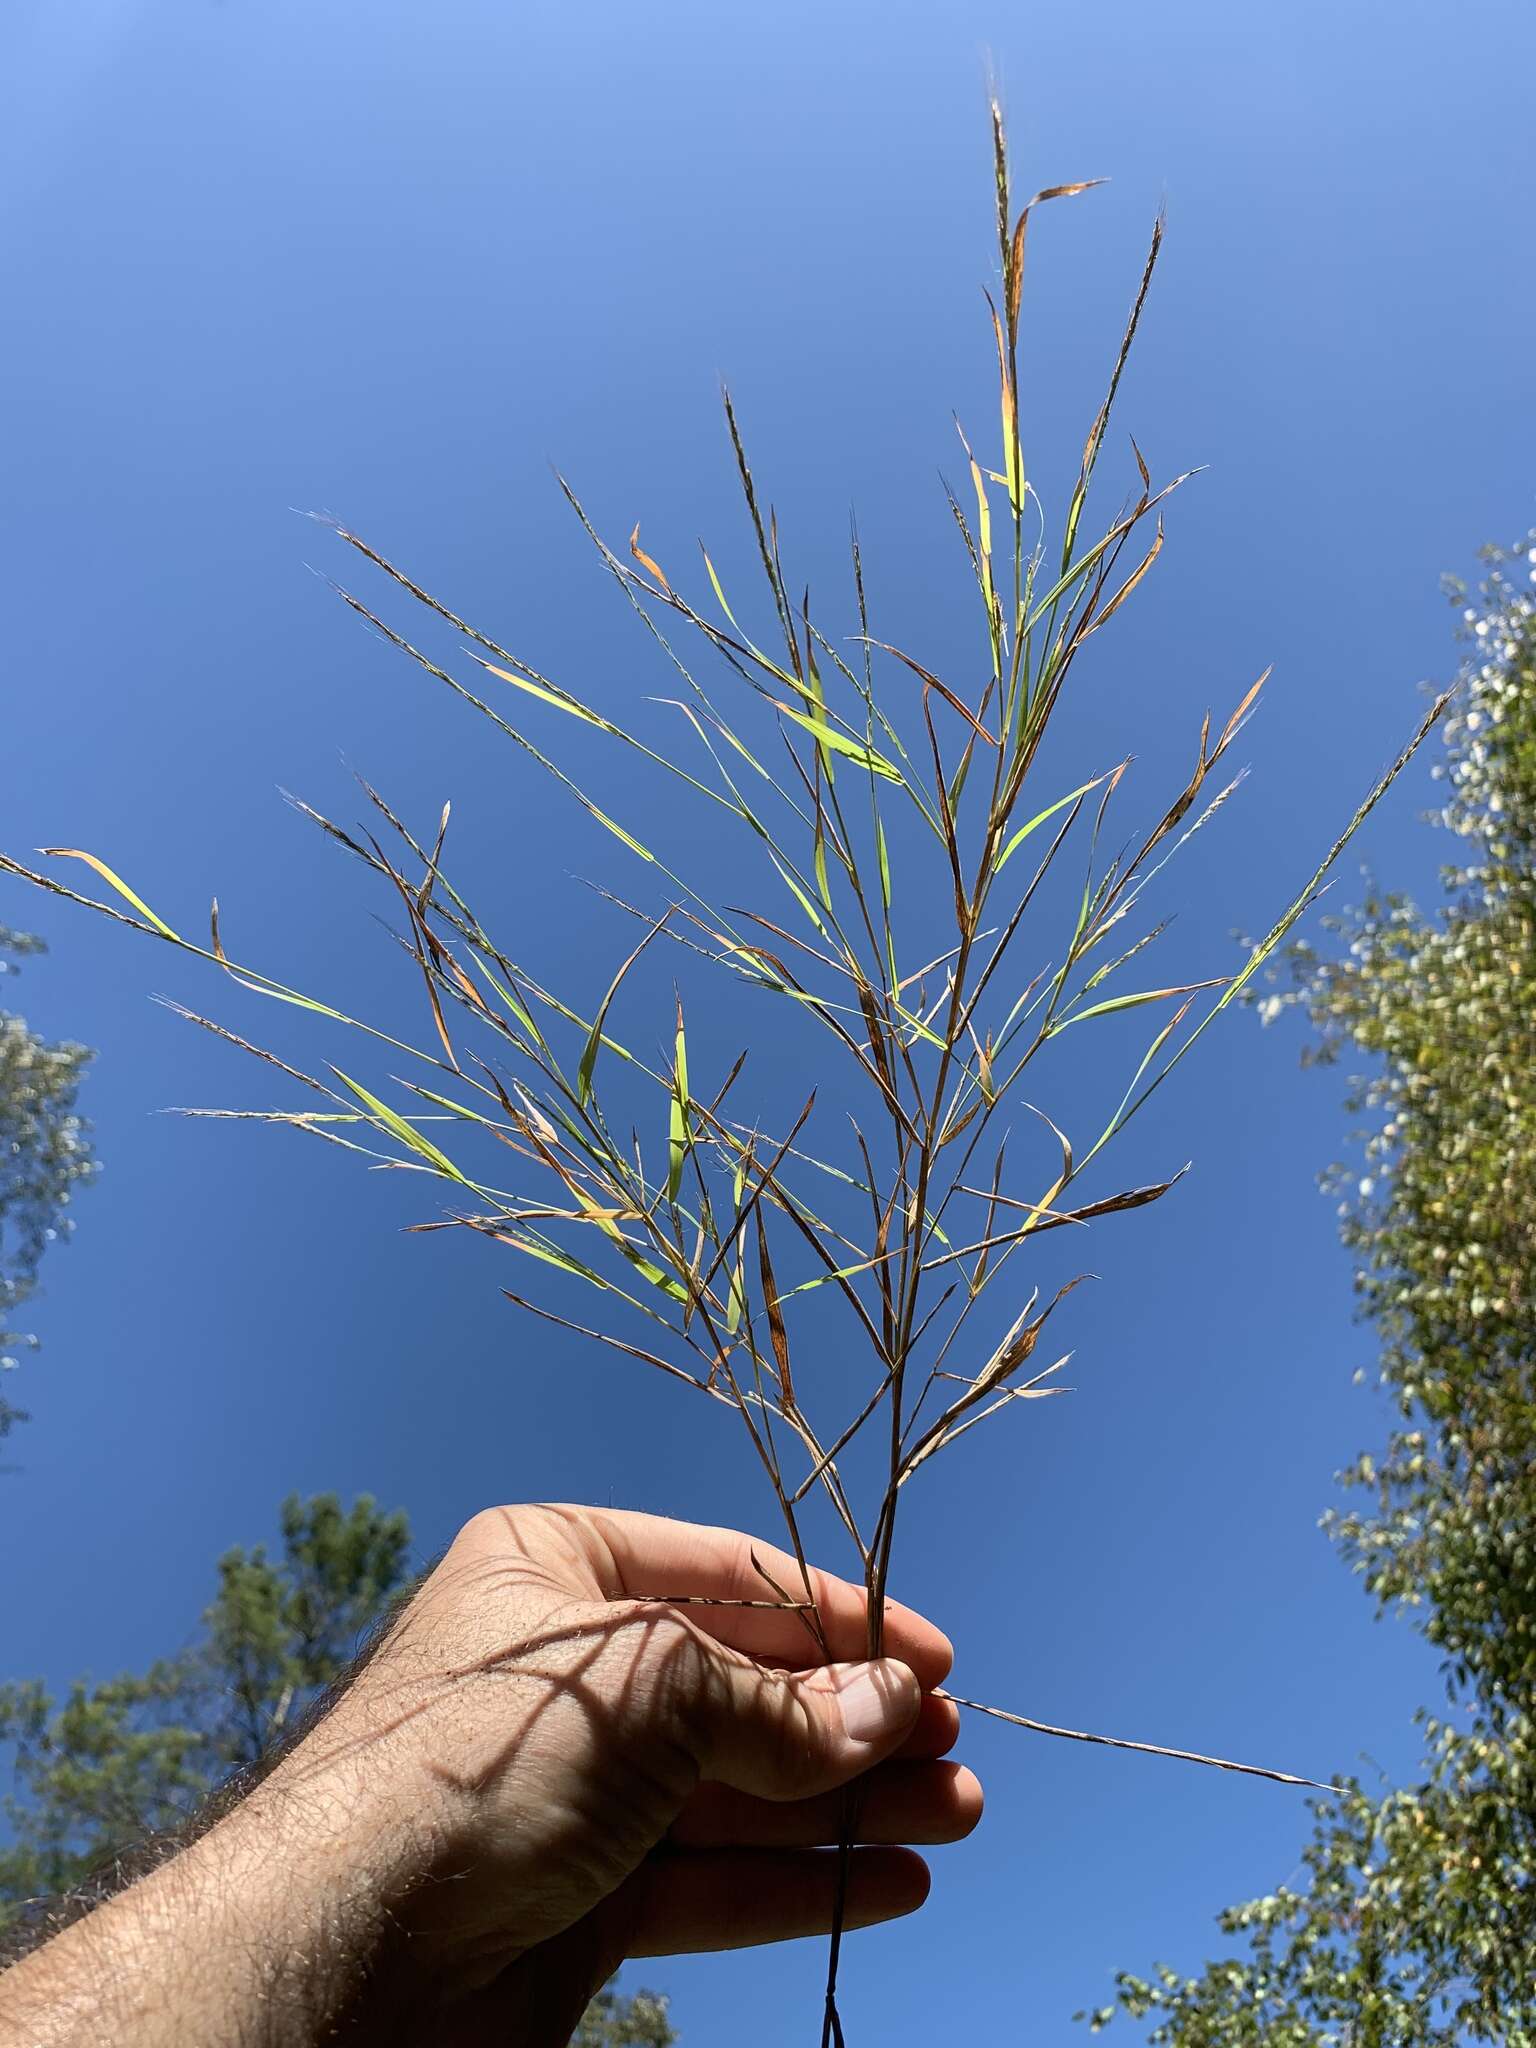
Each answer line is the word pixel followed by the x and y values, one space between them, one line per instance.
pixel 708 1238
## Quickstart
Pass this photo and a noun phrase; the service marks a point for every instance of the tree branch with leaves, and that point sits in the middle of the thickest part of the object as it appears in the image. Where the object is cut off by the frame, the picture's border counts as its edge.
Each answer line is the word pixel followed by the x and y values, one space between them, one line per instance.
pixel 1415 1924
pixel 45 1156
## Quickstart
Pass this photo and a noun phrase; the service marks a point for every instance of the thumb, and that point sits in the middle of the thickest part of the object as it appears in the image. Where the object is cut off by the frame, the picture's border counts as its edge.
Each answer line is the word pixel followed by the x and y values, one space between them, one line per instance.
pixel 791 1734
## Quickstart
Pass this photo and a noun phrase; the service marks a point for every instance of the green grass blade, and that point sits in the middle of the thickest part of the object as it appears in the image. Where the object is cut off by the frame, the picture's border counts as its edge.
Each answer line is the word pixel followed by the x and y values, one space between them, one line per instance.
pixel 678 1131
pixel 113 881
pixel 595 1036
pixel 398 1128
pixel 828 736
pixel 1041 817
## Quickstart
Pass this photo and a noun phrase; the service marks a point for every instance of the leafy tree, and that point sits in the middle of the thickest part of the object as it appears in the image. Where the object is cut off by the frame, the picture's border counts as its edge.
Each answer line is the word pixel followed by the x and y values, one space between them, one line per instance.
pixel 1416 1927
pixel 111 1764
pixel 614 2021
pixel 45 1153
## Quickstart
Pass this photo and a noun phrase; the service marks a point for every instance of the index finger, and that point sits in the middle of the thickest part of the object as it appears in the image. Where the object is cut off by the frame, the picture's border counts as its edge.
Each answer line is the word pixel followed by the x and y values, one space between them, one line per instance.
pixel 653 1557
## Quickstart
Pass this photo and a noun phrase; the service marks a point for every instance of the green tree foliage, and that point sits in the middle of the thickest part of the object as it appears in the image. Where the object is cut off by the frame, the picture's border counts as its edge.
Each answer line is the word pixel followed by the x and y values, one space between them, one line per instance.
pixel 45 1154
pixel 109 1763
pixel 97 1771
pixel 614 2021
pixel 1416 1925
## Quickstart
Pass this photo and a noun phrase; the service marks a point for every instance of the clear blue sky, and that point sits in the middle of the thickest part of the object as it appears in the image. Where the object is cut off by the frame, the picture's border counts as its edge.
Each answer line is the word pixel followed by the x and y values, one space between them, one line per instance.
pixel 391 261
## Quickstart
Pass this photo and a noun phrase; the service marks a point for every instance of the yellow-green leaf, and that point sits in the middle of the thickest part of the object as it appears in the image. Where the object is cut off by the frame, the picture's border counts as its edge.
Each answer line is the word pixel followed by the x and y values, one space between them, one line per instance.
pixel 1041 817
pixel 678 1131
pixel 828 736
pixel 560 699
pixel 397 1127
pixel 113 881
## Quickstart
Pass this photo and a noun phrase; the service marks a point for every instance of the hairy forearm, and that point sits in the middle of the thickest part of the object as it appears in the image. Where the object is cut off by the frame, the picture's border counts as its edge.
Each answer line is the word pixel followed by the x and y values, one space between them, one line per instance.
pixel 269 1929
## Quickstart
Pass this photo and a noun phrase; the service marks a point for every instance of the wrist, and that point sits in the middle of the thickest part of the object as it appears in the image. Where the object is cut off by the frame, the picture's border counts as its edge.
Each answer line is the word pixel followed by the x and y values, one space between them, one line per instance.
pixel 350 1818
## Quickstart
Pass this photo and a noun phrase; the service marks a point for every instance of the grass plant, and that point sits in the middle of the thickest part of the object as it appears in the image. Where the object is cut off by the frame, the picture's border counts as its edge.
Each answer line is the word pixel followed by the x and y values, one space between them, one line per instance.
pixel 706 1233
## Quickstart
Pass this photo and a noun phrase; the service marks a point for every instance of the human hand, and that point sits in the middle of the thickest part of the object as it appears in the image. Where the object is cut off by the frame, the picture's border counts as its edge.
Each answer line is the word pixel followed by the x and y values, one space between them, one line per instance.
pixel 570 1748
pixel 564 1769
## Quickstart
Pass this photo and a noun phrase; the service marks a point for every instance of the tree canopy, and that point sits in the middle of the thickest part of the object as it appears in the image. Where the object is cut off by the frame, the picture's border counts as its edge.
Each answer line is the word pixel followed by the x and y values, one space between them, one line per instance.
pixel 45 1154
pixel 1416 1926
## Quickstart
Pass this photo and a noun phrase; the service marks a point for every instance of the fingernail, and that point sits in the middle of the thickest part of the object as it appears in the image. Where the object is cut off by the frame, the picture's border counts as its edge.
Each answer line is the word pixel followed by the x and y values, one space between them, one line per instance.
pixel 875 1699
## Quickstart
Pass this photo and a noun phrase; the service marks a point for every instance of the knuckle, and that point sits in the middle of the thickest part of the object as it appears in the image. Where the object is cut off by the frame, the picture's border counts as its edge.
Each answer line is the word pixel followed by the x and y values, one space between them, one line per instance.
pixel 522 1527
pixel 486 1527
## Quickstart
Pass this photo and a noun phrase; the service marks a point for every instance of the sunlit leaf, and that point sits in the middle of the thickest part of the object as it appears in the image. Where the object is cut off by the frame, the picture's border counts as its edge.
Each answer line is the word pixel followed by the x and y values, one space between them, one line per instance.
pixel 1042 817
pixel 397 1127
pixel 828 736
pixel 114 881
